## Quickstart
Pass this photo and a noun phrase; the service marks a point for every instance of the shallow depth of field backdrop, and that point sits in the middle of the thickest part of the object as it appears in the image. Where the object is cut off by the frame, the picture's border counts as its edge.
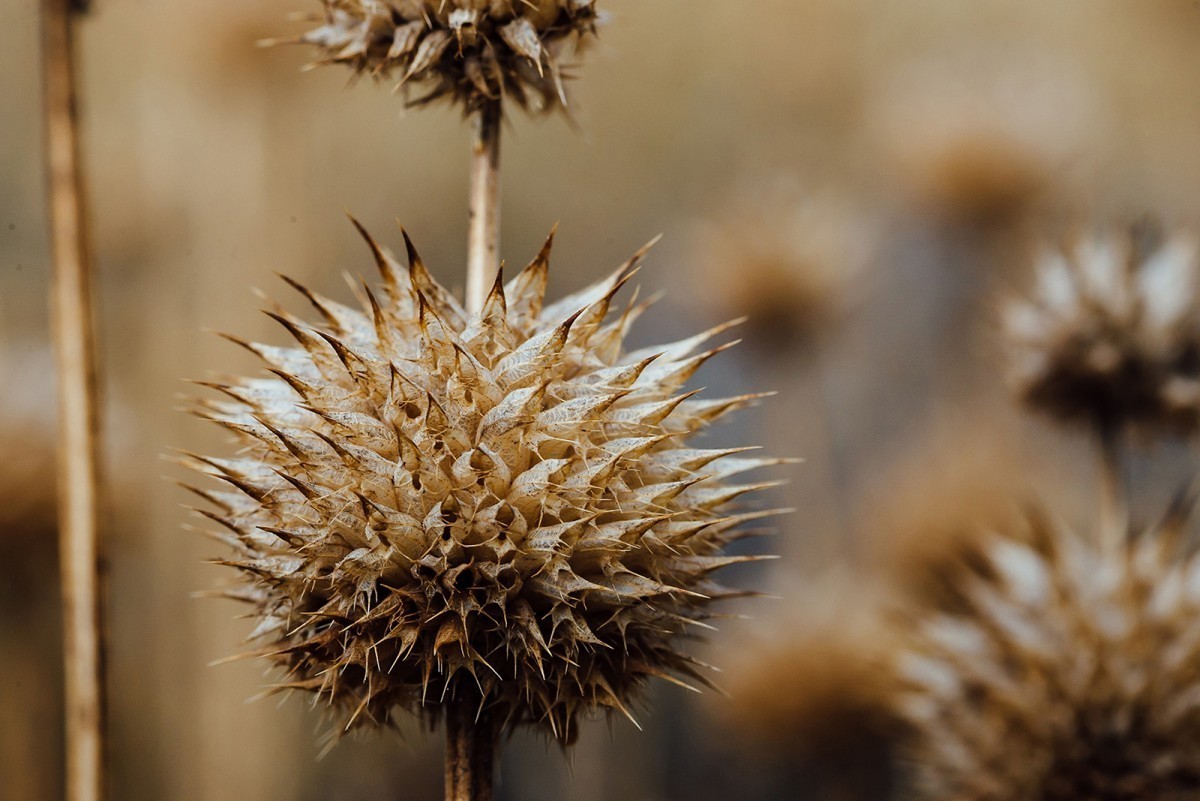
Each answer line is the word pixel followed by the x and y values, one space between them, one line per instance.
pixel 932 141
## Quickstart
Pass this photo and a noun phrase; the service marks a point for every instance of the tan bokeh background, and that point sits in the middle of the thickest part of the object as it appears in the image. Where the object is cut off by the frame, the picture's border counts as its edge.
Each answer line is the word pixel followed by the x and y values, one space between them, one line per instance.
pixel 948 134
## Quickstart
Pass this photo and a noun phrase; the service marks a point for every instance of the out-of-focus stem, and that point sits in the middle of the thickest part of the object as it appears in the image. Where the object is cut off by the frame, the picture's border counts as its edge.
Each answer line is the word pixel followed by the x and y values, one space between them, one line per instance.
pixel 79 543
pixel 1114 507
pixel 470 754
pixel 483 239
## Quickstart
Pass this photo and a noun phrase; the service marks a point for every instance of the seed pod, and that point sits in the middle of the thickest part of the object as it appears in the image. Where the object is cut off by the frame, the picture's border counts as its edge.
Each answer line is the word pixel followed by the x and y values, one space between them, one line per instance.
pixel 1111 335
pixel 500 508
pixel 1071 674
pixel 471 52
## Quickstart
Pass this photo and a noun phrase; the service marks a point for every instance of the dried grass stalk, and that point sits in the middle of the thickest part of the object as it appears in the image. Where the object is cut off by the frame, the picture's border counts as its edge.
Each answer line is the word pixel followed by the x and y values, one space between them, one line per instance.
pixel 78 471
pixel 483 242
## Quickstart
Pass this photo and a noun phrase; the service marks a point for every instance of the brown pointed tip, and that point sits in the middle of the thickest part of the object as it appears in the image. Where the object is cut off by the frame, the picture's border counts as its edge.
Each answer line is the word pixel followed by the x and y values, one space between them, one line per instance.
pixel 566 324
pixel 726 346
pixel 630 267
pixel 293 283
pixel 414 258
pixel 496 295
pixel 292 328
pixel 541 262
pixel 424 310
pixel 218 386
pixel 237 341
pixel 641 252
pixel 363 232
pixel 381 258
pixel 544 254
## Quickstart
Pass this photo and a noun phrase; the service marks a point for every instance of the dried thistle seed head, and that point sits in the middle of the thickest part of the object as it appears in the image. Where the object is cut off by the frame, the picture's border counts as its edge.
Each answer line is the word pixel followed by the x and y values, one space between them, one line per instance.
pixel 983 137
pixel 499 508
pixel 928 514
pixel 1111 335
pixel 1072 675
pixel 471 52
pixel 815 690
pixel 789 260
pixel 28 496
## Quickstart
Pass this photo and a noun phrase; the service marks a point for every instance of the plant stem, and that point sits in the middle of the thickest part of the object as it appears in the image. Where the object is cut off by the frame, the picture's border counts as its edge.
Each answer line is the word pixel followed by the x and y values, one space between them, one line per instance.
pixel 79 542
pixel 1114 506
pixel 470 753
pixel 483 239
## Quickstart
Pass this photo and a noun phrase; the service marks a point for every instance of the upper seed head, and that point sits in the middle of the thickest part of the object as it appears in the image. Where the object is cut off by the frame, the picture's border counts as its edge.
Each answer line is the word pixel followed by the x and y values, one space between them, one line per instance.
pixel 471 52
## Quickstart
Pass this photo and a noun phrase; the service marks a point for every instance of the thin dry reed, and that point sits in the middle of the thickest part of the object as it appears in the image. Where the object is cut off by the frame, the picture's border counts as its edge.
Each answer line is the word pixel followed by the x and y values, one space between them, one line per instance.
pixel 483 243
pixel 78 463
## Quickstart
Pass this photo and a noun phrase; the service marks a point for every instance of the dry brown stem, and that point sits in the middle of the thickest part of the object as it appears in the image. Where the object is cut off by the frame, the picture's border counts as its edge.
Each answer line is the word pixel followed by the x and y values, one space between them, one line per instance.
pixel 80 556
pixel 483 239
pixel 470 753
pixel 471 741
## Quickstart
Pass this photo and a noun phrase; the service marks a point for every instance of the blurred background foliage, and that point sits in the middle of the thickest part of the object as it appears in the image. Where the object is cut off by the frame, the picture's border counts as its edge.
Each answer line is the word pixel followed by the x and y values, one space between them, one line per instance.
pixel 860 176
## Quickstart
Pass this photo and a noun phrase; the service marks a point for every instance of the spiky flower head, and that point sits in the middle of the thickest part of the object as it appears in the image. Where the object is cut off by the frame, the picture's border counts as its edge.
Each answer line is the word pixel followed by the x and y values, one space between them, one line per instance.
pixel 469 51
pixel 1111 335
pixel 498 509
pixel 1071 675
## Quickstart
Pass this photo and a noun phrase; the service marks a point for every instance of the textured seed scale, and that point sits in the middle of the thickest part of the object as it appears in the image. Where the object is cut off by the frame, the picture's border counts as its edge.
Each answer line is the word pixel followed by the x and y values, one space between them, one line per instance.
pixel 1069 674
pixel 1111 335
pixel 499 508
pixel 468 51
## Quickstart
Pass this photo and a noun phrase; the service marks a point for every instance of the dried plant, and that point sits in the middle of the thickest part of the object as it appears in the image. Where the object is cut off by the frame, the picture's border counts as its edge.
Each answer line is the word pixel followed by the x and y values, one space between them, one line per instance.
pixel 80 546
pixel 30 691
pixel 813 695
pixel 928 514
pixel 480 54
pixel 436 509
pixel 1111 339
pixel 1110 336
pixel 27 432
pixel 787 259
pixel 472 52
pixel 984 136
pixel 1071 675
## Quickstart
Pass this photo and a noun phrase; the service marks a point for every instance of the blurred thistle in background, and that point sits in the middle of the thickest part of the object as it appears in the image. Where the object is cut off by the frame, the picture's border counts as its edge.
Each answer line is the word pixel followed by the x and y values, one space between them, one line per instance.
pixel 983 137
pixel 1110 334
pixel 1071 674
pixel 787 261
pixel 30 614
pixel 814 696
pixel 927 517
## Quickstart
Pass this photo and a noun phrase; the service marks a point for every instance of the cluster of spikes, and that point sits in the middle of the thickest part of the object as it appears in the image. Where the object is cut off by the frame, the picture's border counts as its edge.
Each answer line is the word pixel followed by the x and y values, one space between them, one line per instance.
pixel 498 508
pixel 1070 673
pixel 473 52
pixel 1110 335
